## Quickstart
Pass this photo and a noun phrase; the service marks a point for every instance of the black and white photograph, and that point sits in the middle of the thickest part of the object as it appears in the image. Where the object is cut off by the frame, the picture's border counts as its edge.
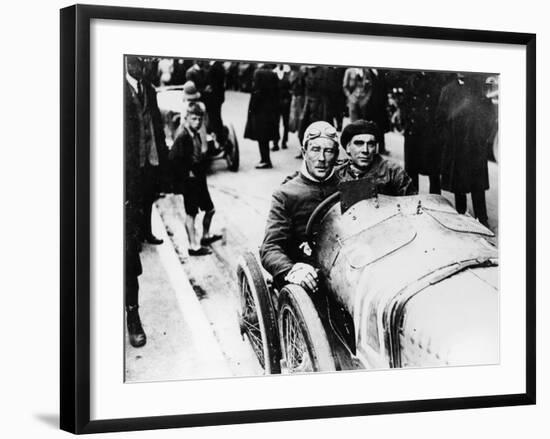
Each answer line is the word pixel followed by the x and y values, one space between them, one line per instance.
pixel 295 218
pixel 275 219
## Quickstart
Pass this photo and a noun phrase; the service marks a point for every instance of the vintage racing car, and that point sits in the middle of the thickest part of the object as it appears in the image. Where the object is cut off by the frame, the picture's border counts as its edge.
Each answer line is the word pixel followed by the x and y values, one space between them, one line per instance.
pixel 405 282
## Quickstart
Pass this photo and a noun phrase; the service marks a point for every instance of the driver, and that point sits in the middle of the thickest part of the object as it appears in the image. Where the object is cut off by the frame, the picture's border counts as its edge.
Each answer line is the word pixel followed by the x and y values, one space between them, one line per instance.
pixel 360 139
pixel 283 252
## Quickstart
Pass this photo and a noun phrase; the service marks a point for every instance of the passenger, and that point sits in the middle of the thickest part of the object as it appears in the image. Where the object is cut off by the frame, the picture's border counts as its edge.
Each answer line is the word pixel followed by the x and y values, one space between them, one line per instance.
pixel 282 251
pixel 360 139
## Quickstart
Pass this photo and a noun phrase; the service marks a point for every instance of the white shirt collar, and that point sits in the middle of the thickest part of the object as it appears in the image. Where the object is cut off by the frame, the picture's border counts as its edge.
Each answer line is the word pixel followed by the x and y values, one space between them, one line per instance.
pixel 307 175
pixel 132 81
pixel 190 131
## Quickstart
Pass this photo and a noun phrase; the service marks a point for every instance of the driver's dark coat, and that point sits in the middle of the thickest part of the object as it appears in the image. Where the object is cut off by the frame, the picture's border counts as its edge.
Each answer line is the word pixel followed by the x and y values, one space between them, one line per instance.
pixel 291 206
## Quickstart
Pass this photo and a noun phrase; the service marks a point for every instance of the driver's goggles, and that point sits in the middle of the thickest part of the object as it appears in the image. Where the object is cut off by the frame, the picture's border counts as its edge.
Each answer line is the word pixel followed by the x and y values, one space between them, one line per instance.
pixel 328 132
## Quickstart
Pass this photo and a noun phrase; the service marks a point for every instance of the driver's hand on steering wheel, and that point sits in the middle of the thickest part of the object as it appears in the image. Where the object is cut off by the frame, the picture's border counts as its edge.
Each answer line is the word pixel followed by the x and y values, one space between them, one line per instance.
pixel 305 276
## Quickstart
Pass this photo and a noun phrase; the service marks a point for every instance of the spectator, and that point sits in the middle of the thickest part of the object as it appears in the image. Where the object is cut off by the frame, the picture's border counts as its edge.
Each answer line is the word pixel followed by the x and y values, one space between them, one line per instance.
pixel 491 103
pixel 262 123
pixel 283 73
pixel 181 65
pixel 316 98
pixel 143 145
pixel 232 81
pixel 356 91
pixel 245 76
pixel 214 96
pixel 147 131
pixel 197 74
pixel 376 106
pixel 336 96
pixel 297 89
pixel 165 70
pixel 365 90
pixel 466 128
pixel 421 134
pixel 188 158
pixel 150 70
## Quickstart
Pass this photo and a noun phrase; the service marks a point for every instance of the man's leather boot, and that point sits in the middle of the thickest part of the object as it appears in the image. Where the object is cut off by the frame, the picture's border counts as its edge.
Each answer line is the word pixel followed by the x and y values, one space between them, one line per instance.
pixel 135 330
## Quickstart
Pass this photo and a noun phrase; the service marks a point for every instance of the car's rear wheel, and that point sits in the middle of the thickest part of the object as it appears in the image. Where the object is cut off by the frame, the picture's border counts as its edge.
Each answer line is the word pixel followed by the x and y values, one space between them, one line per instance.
pixel 258 320
pixel 304 342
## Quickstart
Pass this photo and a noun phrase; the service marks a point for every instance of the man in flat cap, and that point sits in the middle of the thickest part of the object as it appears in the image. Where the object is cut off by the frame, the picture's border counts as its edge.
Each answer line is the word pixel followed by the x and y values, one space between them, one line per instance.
pixel 282 252
pixel 360 139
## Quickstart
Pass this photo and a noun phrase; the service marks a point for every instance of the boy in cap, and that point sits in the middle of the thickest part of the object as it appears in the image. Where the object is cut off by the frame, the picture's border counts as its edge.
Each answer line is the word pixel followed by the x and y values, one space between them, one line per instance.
pixel 188 158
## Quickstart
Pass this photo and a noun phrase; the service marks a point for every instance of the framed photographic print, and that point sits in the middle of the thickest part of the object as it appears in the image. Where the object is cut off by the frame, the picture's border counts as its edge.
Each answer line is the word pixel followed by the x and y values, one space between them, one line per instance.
pixel 276 218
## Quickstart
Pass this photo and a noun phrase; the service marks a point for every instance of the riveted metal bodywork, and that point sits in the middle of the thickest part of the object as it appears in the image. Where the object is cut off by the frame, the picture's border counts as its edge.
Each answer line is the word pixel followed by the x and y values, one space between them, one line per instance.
pixel 419 280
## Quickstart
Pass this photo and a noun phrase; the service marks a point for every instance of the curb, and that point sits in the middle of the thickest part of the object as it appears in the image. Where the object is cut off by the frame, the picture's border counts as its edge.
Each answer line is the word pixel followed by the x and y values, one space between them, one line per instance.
pixel 189 305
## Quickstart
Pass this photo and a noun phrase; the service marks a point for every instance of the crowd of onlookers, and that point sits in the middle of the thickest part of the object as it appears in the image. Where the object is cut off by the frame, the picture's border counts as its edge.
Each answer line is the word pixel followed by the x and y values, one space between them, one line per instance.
pixel 296 95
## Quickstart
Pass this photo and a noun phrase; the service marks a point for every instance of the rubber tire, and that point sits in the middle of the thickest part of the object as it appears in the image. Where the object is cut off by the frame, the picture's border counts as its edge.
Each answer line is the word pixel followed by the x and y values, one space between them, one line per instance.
pixel 295 297
pixel 232 156
pixel 248 270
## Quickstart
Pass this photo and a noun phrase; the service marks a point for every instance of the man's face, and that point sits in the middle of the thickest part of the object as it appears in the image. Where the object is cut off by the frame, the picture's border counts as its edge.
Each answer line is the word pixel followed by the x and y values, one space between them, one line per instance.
pixel 194 121
pixel 361 149
pixel 134 65
pixel 320 156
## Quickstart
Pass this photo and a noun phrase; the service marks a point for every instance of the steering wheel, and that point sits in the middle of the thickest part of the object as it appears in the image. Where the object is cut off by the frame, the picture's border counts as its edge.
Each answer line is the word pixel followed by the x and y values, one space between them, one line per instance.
pixel 318 214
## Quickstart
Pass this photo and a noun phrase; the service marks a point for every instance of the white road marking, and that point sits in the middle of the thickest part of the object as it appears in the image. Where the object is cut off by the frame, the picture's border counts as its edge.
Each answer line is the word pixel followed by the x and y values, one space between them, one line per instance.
pixel 193 314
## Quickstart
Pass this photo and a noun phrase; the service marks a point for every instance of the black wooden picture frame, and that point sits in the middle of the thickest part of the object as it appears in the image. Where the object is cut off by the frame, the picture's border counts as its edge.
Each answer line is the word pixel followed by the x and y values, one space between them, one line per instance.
pixel 76 212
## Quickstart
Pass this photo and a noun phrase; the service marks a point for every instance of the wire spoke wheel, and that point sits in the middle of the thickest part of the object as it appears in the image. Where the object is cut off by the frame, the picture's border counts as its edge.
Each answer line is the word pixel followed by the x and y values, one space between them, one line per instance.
pixel 251 325
pixel 297 353
pixel 258 321
pixel 304 342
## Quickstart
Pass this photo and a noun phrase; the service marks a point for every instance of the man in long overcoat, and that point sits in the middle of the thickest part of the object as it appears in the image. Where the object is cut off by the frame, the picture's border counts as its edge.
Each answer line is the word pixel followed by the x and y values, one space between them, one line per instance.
pixel 418 116
pixel 262 123
pixel 465 129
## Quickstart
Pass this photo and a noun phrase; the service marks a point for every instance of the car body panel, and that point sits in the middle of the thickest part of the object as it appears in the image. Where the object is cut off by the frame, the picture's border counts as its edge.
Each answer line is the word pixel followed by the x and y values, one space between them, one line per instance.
pixel 453 322
pixel 383 255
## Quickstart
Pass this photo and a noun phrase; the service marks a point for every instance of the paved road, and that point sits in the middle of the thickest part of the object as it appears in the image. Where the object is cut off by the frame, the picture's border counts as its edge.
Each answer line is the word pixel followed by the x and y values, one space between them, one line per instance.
pixel 242 201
